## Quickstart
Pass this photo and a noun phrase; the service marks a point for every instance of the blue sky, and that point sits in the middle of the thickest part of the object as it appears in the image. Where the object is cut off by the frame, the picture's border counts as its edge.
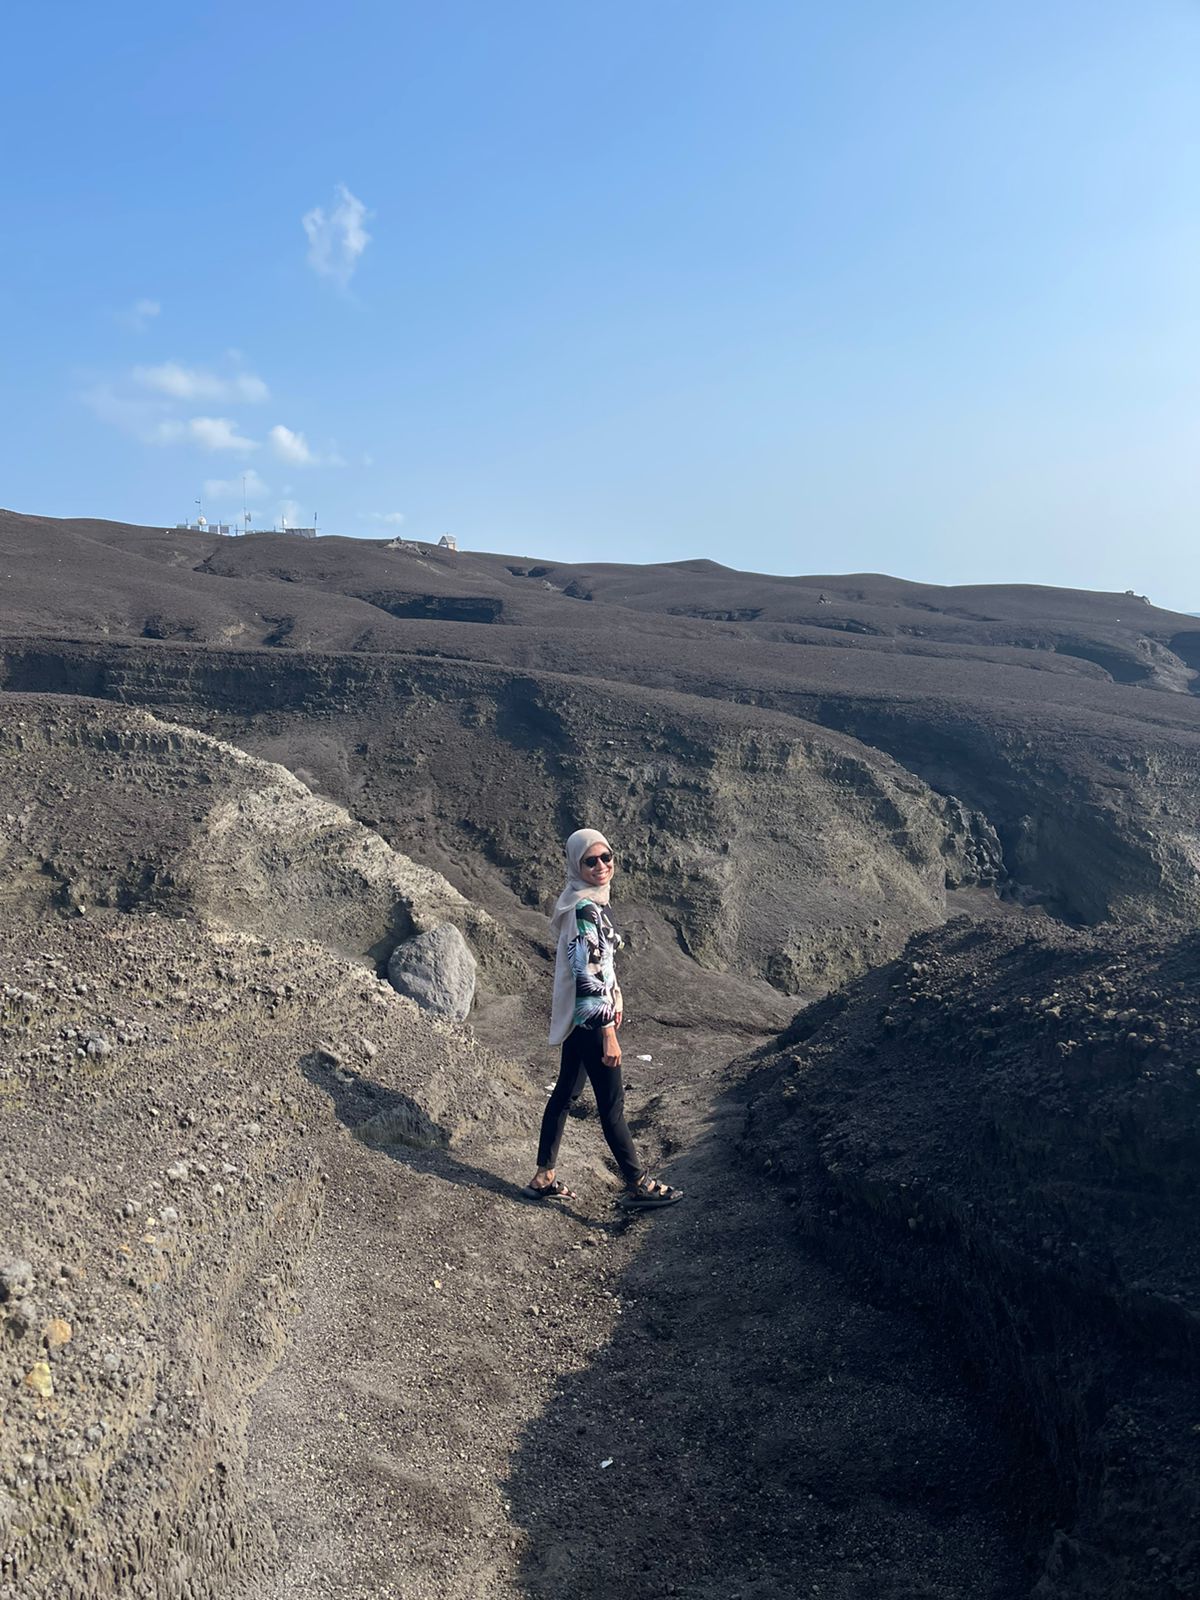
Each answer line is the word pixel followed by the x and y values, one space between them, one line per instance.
pixel 806 288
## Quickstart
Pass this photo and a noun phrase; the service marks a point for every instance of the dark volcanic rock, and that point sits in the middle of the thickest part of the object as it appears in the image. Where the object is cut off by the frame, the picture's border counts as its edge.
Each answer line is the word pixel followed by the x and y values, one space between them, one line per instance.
pixel 1004 1129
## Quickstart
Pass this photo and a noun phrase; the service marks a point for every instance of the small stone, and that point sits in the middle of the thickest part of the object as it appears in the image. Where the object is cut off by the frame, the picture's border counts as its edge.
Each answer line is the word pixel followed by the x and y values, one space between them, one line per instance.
pixel 16 1279
pixel 178 1172
pixel 169 1216
pixel 23 1317
pixel 131 1208
pixel 56 1333
pixel 370 1049
pixel 38 1379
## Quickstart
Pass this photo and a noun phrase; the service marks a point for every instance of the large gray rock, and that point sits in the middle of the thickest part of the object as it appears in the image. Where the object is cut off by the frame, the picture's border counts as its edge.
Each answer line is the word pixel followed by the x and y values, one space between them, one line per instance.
pixel 437 970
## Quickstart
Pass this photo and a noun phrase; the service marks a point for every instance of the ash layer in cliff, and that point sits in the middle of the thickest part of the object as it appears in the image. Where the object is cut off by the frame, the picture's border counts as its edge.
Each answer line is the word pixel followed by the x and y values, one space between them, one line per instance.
pixel 1003 1130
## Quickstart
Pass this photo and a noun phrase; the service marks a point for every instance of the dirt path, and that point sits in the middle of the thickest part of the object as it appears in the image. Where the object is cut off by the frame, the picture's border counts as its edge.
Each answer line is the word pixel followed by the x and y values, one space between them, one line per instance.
pixel 464 1365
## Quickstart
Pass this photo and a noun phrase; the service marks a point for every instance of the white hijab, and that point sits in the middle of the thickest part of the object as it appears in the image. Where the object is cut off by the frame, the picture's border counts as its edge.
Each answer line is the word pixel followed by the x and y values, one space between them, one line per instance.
pixel 562 926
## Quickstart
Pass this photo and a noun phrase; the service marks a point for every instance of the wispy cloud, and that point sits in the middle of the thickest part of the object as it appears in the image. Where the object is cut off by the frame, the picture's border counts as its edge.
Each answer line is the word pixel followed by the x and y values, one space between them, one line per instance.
pixel 132 414
pixel 193 383
pixel 391 519
pixel 153 404
pixel 152 418
pixel 337 238
pixel 231 489
pixel 139 315
pixel 289 446
pixel 210 433
pixel 291 516
pixel 295 449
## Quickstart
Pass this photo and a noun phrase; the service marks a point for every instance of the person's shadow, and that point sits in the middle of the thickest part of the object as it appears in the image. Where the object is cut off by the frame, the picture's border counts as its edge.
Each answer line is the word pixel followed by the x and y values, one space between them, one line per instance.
pixel 393 1123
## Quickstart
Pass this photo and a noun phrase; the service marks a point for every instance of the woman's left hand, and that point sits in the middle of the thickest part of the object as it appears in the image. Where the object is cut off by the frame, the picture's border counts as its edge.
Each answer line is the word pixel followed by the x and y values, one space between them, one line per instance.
pixel 620 1018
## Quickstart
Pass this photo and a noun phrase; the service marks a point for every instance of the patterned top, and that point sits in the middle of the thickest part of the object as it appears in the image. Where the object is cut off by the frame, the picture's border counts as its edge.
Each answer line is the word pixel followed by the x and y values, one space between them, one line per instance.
pixel 590 952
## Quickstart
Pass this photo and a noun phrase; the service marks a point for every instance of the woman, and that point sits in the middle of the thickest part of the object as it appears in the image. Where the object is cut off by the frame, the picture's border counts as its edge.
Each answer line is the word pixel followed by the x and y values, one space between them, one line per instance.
pixel 587 1013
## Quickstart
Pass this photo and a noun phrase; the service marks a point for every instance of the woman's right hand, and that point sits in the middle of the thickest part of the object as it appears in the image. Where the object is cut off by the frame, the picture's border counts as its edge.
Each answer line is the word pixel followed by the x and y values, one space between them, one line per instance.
pixel 610 1046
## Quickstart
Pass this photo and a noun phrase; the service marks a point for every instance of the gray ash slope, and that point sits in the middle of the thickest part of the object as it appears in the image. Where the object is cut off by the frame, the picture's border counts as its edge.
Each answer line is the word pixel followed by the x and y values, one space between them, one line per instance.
pixel 803 773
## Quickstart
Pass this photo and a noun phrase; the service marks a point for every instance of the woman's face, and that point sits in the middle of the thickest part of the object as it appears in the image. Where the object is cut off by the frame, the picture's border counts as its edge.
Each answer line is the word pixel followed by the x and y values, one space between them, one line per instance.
pixel 596 867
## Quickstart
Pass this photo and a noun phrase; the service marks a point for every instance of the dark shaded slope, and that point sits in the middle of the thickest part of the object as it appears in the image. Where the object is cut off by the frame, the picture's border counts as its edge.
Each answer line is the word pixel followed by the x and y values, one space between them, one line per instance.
pixel 1003 1130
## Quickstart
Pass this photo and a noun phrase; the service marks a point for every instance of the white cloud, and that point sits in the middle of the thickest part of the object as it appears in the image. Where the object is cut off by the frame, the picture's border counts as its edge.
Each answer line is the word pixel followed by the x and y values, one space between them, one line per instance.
pixel 139 315
pixel 291 516
pixel 191 383
pixel 211 433
pixel 148 419
pixel 392 518
pixel 289 446
pixel 295 449
pixel 231 489
pixel 338 238
pixel 219 433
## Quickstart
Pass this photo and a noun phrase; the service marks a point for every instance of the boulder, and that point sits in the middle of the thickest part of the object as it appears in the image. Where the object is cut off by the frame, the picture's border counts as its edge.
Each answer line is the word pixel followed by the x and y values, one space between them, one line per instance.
pixel 437 970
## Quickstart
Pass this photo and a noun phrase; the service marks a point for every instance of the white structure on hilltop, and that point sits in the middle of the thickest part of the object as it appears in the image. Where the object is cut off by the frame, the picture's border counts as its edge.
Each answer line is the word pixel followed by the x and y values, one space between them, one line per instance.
pixel 227 531
pixel 203 525
pixel 448 542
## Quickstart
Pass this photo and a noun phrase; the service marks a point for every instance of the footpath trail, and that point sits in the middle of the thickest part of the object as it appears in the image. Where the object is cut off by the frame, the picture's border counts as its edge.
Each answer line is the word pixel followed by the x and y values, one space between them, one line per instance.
pixel 485 1399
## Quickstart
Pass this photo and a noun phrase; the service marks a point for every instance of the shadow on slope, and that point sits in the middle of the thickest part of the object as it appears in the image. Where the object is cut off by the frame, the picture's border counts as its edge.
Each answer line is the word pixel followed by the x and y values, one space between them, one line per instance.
pixel 1001 1133
pixel 753 1431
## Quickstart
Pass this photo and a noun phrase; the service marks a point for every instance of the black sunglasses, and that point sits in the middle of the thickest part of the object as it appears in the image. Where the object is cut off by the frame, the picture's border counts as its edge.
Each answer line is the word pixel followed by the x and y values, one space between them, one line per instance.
pixel 594 861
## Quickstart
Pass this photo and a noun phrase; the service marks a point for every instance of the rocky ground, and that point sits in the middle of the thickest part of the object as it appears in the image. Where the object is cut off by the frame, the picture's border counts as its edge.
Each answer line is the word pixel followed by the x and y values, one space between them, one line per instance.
pixel 276 1157
pixel 236 1159
pixel 274 1320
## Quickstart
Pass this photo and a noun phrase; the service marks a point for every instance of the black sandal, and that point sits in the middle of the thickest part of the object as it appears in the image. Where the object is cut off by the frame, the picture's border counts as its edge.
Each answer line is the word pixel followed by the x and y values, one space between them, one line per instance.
pixel 650 1192
pixel 548 1191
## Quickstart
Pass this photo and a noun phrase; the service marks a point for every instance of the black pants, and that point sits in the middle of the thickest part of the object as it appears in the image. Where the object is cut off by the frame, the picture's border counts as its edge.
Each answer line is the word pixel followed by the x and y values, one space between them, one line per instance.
pixel 582 1058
